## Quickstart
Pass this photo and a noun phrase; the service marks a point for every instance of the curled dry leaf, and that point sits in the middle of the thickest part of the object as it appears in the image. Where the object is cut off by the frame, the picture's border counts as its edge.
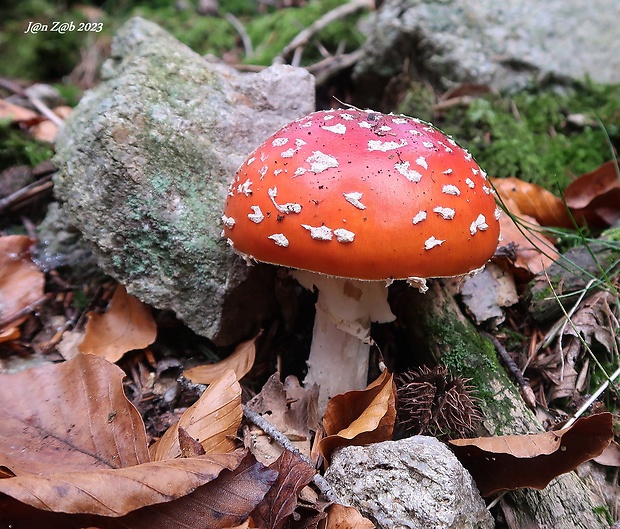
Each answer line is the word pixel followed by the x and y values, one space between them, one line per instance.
pixel 514 461
pixel 126 325
pixel 21 281
pixel 344 517
pixel 213 420
pixel 596 195
pixel 240 361
pixel 281 500
pixel 533 201
pixel 360 417
pixel 73 440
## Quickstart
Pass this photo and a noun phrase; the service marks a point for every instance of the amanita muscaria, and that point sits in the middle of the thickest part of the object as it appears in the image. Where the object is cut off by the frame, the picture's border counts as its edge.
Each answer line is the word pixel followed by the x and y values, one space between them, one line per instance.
pixel 352 200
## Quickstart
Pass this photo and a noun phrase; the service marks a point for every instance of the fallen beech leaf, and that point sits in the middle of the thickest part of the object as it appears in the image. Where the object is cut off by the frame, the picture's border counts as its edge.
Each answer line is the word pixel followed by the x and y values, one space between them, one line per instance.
pixel 73 441
pixel 189 446
pixel 21 281
pixel 222 503
pixel 291 409
pixel 514 461
pixel 344 517
pixel 62 111
pixel 533 201
pixel 44 131
pixel 360 417
pixel 240 361
pixel 610 456
pixel 596 195
pixel 9 334
pixel 213 420
pixel 530 245
pixel 69 417
pixel 127 325
pixel 281 500
pixel 97 491
pixel 225 501
pixel 16 113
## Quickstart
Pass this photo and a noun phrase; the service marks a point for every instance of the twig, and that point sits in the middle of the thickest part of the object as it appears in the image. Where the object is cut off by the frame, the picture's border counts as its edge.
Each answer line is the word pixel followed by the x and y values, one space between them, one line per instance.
pixel 26 192
pixel 524 388
pixel 45 110
pixel 307 34
pixel 4 322
pixel 330 66
pixel 322 484
pixel 245 38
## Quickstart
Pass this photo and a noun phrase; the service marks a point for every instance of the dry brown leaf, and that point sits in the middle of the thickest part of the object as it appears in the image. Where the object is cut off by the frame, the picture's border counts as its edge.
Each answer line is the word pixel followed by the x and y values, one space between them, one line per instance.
pixel 514 461
pixel 69 417
pixel 126 325
pixel 21 281
pixel 213 420
pixel 291 409
pixel 596 195
pixel 44 131
pixel 530 258
pixel 73 441
pixel 225 501
pixel 16 113
pixel 281 500
pixel 240 361
pixel 344 517
pixel 533 201
pixel 360 417
pixel 219 504
pixel 62 111
pixel 610 456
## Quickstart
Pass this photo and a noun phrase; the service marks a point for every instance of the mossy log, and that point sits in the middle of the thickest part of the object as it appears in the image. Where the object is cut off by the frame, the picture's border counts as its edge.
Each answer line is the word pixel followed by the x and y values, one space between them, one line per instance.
pixel 440 334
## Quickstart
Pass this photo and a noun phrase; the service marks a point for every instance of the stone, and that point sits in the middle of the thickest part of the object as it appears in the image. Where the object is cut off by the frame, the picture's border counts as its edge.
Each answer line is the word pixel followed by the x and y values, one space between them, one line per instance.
pixel 505 45
pixel 411 483
pixel 145 161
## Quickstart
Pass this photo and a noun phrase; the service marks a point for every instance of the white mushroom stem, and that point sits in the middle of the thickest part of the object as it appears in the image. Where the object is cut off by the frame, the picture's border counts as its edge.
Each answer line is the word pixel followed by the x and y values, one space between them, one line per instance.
pixel 341 340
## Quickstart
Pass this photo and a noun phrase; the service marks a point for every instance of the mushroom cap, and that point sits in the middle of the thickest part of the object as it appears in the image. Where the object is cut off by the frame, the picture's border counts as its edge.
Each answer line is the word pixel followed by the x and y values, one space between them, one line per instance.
pixel 363 195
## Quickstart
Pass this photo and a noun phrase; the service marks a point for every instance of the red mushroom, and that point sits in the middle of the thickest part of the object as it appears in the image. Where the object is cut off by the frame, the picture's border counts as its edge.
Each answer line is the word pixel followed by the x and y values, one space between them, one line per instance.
pixel 352 200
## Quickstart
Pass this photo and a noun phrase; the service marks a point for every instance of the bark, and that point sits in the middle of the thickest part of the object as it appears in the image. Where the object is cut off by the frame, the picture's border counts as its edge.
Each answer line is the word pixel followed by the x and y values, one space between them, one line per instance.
pixel 442 335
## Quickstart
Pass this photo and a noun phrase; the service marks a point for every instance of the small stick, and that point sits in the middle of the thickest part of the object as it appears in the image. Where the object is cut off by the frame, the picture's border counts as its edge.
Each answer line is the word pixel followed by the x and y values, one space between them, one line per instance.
pixel 26 192
pixel 322 484
pixel 245 38
pixel 342 11
pixel 524 388
pixel 5 322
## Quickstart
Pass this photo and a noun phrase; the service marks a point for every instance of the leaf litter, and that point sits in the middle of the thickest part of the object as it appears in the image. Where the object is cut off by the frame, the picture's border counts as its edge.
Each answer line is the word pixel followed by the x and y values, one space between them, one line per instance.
pixel 204 442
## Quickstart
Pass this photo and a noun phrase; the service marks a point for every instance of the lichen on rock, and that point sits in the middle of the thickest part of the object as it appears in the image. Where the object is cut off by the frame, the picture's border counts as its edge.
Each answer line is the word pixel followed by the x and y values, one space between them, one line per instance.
pixel 144 162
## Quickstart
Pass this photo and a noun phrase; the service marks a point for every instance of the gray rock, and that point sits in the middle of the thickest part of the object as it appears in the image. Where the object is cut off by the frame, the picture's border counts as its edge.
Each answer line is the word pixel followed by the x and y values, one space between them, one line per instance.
pixel 503 44
pixel 144 164
pixel 411 483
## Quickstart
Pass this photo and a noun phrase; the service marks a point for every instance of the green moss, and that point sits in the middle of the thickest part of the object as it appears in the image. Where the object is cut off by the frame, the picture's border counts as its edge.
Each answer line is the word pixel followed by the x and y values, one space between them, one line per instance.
pixel 203 34
pixel 534 134
pixel 465 353
pixel 45 55
pixel 19 148
pixel 603 512
pixel 271 33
